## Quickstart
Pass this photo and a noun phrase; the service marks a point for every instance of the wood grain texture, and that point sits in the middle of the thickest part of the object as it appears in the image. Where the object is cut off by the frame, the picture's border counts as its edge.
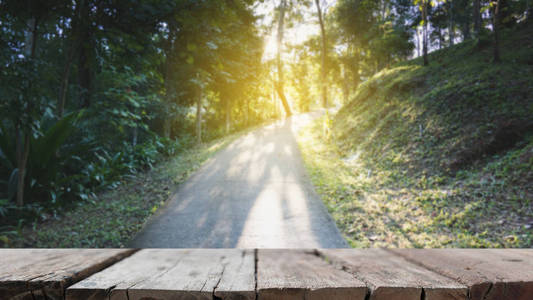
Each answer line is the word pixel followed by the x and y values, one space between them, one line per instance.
pixel 238 278
pixel 490 274
pixel 391 277
pixel 45 273
pixel 198 275
pixel 432 274
pixel 114 281
pixel 173 274
pixel 300 274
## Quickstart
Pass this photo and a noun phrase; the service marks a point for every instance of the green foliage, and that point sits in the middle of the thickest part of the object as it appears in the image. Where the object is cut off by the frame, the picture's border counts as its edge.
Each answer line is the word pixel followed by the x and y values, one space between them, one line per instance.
pixel 137 70
pixel 110 218
pixel 44 161
pixel 373 35
pixel 135 76
pixel 437 156
pixel 301 75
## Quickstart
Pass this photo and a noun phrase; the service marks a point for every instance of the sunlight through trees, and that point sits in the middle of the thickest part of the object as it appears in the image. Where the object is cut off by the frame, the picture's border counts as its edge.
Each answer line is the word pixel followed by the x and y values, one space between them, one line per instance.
pixel 94 91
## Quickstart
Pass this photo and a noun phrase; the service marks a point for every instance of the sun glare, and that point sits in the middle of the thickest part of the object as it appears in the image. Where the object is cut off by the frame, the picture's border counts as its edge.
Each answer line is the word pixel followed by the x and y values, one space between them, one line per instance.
pixel 270 48
pixel 293 36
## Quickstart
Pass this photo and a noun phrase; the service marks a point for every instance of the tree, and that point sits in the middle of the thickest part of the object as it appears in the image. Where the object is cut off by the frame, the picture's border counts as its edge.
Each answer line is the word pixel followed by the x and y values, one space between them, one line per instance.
pixel 477 17
pixel 374 34
pixel 301 78
pixel 439 22
pixel 451 22
pixel 354 21
pixel 496 20
pixel 424 7
pixel 280 82
pixel 323 71
pixel 71 39
pixel 21 79
pixel 463 13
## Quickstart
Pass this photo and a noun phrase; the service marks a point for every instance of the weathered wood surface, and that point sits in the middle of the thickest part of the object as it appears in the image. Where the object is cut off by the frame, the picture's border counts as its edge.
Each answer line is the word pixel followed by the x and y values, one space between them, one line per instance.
pixel 301 274
pixel 45 273
pixel 238 279
pixel 432 274
pixel 490 274
pixel 391 277
pixel 174 274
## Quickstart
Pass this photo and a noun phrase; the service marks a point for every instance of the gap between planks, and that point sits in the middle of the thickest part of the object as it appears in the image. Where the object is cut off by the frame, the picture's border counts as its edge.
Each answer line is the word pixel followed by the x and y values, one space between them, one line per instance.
pixel 338 274
pixel 285 274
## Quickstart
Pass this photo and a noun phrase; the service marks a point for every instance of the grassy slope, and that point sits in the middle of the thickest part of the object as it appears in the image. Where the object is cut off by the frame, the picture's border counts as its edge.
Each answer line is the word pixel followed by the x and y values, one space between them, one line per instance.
pixel 434 156
pixel 116 216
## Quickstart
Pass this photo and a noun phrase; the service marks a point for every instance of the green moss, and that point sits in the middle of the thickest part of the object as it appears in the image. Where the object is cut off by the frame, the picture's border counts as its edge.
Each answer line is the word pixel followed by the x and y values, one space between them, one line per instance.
pixel 437 156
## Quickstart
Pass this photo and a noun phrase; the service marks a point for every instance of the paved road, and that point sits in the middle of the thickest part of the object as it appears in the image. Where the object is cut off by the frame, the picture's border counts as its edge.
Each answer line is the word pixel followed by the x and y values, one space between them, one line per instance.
pixel 253 194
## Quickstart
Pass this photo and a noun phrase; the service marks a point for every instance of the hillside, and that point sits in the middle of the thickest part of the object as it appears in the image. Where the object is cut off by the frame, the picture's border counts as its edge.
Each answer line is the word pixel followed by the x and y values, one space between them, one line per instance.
pixel 434 156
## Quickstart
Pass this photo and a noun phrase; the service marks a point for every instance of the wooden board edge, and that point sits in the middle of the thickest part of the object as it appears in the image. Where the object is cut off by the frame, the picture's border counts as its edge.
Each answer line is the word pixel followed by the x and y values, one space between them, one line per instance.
pixel 57 289
pixel 280 293
pixel 235 295
pixel 341 293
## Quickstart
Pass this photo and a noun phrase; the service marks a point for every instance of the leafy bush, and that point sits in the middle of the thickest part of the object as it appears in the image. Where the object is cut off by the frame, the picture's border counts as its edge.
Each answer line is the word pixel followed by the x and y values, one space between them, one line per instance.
pixel 47 156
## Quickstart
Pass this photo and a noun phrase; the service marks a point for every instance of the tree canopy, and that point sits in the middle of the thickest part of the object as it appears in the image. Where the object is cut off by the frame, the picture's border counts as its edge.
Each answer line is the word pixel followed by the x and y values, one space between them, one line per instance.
pixel 92 90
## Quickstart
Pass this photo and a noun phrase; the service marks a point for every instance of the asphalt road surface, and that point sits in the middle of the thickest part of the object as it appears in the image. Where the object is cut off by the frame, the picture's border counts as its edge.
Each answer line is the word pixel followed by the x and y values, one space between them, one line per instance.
pixel 253 194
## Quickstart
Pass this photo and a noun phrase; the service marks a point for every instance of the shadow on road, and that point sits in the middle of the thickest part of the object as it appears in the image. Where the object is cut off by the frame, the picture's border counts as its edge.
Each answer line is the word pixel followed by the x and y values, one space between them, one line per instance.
pixel 253 194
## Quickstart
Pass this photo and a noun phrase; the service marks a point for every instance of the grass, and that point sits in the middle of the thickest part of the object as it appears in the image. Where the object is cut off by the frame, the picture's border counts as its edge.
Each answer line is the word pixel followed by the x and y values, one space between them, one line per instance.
pixel 437 156
pixel 115 216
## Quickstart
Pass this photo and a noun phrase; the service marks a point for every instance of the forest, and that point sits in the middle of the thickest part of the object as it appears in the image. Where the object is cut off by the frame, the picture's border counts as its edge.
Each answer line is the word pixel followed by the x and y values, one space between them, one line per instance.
pixel 94 93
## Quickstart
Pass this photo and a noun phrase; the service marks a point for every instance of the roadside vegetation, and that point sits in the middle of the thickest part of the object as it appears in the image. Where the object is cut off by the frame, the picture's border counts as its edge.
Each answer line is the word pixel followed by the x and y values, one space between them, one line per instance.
pixel 113 216
pixel 436 156
pixel 97 97
pixel 94 94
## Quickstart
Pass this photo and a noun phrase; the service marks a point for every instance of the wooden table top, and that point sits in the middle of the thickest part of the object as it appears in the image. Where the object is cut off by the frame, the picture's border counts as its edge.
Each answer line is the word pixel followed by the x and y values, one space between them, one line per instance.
pixel 389 274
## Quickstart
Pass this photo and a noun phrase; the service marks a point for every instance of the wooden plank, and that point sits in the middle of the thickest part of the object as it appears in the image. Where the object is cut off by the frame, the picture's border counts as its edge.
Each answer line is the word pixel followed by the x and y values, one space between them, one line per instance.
pixel 45 273
pixel 173 274
pixel 490 274
pixel 114 281
pixel 392 277
pixel 198 275
pixel 238 278
pixel 300 274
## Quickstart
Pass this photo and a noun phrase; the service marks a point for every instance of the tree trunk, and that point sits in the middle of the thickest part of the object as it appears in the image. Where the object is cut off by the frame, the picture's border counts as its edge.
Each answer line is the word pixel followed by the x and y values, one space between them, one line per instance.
pixel 496 26
pixel 345 83
pixel 477 17
pixel 84 78
pixel 23 147
pixel 466 24
pixel 84 70
pixel 466 30
pixel 168 97
pixel 529 10
pixel 246 112
pixel 425 32
pixel 23 151
pixel 64 83
pixel 441 37
pixel 69 59
pixel 451 25
pixel 228 116
pixel 356 68
pixel 417 40
pixel 169 50
pixel 199 117
pixel 279 85
pixel 31 38
pixel 323 71
pixel 281 94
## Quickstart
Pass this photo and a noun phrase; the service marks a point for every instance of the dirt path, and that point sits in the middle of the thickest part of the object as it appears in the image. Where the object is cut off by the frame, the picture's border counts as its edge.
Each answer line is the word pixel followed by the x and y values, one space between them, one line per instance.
pixel 253 194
